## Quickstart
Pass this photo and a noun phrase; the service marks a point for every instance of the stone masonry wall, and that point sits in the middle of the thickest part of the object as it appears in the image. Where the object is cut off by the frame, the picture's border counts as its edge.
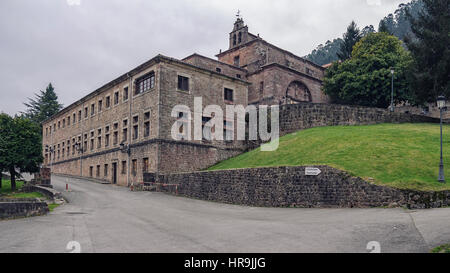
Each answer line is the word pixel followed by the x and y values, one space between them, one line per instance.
pixel 290 187
pixel 302 116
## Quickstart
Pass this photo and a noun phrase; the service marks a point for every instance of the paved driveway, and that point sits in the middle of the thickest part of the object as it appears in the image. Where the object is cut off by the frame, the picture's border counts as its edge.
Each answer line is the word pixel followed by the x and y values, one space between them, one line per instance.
pixel 105 218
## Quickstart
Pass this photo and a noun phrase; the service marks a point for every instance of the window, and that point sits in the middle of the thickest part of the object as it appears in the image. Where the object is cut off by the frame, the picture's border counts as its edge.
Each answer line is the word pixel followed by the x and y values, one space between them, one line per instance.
pixel 240 38
pixel 64 123
pixel 92 144
pixel 146 128
pixel 146 124
pixel 107 140
pixel 145 83
pixel 68 121
pixel 206 129
pixel 183 125
pixel 218 70
pixel 92 109
pixel 228 95
pixel 124 167
pixel 46 131
pixel 135 119
pixel 85 112
pixel 108 102
pixel 183 83
pixel 100 105
pixel 115 138
pixel 145 165
pixel 99 142
pixel 116 98
pixel 125 134
pixel 105 170
pixel 116 126
pixel 234 39
pixel 98 171
pixel 59 124
pixel 236 60
pixel 238 76
pixel 91 170
pixel 79 115
pixel 228 130
pixel 125 94
pixel 135 132
pixel 134 167
pixel 74 118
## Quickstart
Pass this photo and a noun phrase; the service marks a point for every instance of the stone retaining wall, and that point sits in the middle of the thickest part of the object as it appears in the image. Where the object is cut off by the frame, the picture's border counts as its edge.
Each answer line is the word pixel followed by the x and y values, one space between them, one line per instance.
pixel 10 208
pixel 290 187
pixel 305 115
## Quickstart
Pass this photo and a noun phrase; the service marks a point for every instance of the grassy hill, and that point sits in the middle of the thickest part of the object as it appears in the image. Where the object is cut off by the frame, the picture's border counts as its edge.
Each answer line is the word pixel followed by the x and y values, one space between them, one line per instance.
pixel 397 155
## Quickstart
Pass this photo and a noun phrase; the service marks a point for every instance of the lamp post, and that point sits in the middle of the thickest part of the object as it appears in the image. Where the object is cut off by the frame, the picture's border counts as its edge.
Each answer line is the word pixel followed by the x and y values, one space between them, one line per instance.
pixel 125 148
pixel 441 105
pixel 79 148
pixel 392 89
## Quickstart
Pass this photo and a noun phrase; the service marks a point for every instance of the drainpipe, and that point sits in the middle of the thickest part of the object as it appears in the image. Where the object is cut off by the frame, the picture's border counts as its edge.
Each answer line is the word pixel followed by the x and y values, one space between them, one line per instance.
pixel 130 96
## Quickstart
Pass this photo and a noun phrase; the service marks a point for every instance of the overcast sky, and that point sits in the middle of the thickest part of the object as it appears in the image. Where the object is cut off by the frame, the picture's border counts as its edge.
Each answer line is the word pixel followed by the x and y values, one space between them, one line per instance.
pixel 79 45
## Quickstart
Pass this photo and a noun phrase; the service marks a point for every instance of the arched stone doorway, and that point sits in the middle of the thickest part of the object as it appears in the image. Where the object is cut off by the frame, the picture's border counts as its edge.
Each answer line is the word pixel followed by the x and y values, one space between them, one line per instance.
pixel 297 92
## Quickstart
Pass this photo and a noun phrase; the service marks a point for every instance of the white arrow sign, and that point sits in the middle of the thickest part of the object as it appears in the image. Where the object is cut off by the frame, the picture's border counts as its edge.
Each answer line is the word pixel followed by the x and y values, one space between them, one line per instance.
pixel 312 171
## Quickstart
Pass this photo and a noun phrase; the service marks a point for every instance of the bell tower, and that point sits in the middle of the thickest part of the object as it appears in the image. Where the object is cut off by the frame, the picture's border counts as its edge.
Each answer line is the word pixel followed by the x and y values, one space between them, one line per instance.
pixel 239 35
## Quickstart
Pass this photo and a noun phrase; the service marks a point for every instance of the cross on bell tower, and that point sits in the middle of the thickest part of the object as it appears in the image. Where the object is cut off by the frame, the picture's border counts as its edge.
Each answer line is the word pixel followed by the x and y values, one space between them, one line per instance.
pixel 239 35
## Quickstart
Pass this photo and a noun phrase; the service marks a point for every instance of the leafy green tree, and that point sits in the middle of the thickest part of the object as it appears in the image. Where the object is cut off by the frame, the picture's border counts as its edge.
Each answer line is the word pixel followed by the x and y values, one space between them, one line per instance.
pixel 365 79
pixel 350 38
pixel 5 125
pixel 44 105
pixel 430 49
pixel 20 146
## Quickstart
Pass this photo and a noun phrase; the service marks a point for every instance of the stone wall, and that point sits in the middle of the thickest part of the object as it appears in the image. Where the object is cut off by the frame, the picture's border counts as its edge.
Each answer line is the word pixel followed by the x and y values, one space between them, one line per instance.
pixel 10 208
pixel 290 187
pixel 302 116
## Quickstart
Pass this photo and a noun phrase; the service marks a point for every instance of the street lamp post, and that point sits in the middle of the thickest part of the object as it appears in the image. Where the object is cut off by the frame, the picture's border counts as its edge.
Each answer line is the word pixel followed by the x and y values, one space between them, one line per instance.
pixel 392 89
pixel 79 148
pixel 441 105
pixel 125 148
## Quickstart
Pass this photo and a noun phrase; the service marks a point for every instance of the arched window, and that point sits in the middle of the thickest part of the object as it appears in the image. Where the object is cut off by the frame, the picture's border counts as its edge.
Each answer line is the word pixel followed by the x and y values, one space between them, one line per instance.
pixel 234 39
pixel 297 92
pixel 240 38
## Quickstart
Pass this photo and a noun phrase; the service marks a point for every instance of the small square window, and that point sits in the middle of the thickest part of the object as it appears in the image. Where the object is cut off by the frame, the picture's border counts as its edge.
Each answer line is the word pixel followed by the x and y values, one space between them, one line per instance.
pixel 228 94
pixel 183 83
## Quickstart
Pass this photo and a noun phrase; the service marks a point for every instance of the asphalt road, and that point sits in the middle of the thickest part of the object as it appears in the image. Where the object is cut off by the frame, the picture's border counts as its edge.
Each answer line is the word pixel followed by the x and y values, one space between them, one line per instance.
pixel 105 218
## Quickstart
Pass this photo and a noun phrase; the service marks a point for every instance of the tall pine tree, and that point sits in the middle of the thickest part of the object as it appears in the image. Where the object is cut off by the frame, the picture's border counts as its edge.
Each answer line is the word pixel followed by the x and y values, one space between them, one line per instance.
pixel 351 37
pixel 430 49
pixel 43 106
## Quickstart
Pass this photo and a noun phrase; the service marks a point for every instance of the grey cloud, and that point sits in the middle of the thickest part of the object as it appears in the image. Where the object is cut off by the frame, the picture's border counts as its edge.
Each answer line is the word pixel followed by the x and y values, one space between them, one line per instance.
pixel 79 48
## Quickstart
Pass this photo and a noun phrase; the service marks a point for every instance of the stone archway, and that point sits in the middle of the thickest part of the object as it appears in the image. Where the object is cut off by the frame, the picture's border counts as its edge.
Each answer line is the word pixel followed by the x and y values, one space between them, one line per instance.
pixel 297 92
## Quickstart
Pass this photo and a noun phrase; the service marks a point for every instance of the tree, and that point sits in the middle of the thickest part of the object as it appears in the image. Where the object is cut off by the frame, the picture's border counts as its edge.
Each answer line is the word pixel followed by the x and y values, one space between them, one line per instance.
pixel 365 79
pixel 383 27
pixel 430 49
pixel 325 54
pixel 20 146
pixel 43 106
pixel 350 38
pixel 5 125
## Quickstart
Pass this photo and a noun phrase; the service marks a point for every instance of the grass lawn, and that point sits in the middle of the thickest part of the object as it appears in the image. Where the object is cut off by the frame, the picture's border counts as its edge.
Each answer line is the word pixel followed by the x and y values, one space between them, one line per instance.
pixel 397 155
pixel 441 249
pixel 6 191
pixel 6 186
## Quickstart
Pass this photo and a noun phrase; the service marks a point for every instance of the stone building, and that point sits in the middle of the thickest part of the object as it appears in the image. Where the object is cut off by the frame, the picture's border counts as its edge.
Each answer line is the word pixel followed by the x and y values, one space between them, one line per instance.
pixel 123 129
pixel 277 76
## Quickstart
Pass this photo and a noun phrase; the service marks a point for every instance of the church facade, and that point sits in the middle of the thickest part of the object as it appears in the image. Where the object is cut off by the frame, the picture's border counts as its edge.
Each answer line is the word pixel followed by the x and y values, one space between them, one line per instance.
pixel 124 129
